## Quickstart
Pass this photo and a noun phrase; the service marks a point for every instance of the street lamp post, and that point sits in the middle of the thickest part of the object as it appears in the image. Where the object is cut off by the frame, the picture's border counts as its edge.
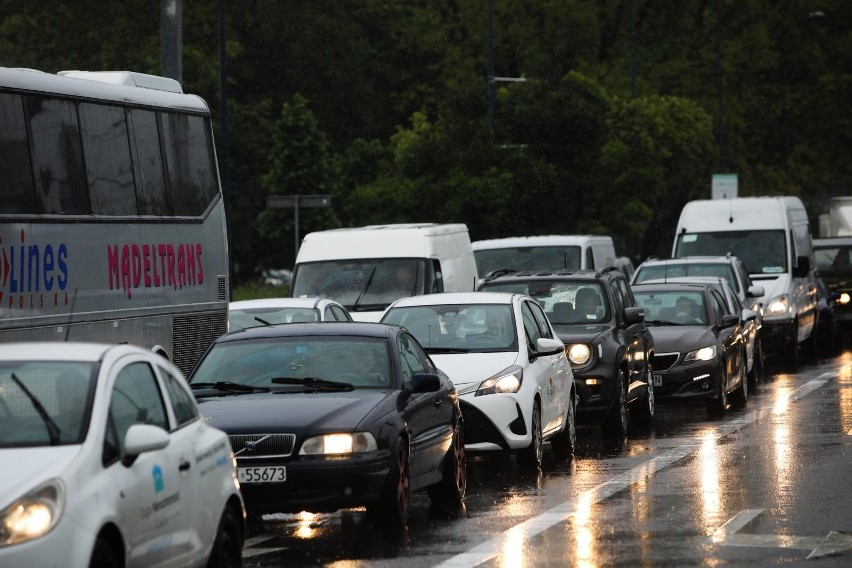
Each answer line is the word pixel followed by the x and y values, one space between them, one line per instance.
pixel 491 78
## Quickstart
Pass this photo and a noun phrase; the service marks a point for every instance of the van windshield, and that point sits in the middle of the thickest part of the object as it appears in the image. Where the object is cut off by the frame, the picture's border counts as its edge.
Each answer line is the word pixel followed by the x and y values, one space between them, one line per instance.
pixel 763 252
pixel 365 285
pixel 528 258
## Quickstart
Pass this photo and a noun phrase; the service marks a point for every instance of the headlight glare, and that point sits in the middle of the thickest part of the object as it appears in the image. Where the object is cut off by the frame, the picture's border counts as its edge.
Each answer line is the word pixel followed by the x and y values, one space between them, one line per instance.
pixel 339 444
pixel 844 298
pixel 777 306
pixel 703 354
pixel 506 381
pixel 33 515
pixel 579 353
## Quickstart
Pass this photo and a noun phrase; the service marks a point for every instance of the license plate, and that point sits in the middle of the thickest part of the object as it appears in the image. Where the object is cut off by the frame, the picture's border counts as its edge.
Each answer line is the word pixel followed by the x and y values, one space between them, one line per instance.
pixel 262 474
pixel 658 379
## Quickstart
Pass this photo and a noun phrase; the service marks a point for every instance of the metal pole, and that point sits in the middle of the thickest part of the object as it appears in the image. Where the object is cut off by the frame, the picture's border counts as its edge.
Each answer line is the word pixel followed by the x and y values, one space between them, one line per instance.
pixel 491 124
pixel 296 223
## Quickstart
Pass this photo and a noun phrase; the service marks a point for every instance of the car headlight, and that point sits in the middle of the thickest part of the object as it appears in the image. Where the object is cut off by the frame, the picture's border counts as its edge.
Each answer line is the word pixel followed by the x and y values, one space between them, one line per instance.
pixel 777 306
pixel 844 298
pixel 579 353
pixel 336 444
pixel 507 380
pixel 33 515
pixel 703 354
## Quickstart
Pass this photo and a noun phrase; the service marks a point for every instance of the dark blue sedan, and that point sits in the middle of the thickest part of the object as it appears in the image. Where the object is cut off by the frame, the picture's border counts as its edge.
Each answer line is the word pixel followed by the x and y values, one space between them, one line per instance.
pixel 326 416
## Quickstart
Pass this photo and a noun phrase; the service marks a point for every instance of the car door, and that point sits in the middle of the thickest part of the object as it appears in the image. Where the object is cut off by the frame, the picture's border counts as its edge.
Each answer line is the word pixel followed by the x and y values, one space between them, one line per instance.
pixel 637 337
pixel 730 338
pixel 200 487
pixel 155 508
pixel 549 371
pixel 429 414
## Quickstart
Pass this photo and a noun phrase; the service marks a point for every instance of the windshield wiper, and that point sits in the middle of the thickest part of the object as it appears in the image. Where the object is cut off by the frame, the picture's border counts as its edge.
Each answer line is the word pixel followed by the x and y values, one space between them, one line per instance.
pixel 52 429
pixel 228 386
pixel 261 320
pixel 446 350
pixel 313 383
pixel 662 322
pixel 364 289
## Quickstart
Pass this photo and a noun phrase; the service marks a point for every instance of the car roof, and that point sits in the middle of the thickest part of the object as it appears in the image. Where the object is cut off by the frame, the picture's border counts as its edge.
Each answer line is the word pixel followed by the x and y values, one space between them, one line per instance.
pixel 830 242
pixel 508 275
pixel 716 280
pixel 726 259
pixel 671 286
pixel 329 328
pixel 61 351
pixel 452 298
pixel 278 303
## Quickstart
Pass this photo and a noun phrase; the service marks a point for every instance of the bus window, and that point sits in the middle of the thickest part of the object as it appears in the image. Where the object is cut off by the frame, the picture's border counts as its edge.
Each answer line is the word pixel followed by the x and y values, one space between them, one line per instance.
pixel 60 179
pixel 148 162
pixel 16 175
pixel 107 153
pixel 189 162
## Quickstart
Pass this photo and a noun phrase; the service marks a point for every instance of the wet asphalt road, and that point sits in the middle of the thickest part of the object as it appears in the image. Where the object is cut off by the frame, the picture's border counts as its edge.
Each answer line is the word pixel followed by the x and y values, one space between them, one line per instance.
pixel 769 484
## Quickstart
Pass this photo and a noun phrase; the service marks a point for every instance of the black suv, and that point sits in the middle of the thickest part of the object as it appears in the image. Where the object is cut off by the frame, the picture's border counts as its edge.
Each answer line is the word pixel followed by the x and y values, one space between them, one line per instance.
pixel 607 342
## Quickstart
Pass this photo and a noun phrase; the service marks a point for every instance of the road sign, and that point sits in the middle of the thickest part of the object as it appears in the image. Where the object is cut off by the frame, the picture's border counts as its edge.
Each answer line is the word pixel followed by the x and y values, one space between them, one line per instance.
pixel 295 202
pixel 724 186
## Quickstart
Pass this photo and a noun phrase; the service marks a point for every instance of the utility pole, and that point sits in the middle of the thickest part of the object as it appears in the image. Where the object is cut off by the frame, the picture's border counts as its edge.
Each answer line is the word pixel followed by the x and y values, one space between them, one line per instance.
pixel 171 40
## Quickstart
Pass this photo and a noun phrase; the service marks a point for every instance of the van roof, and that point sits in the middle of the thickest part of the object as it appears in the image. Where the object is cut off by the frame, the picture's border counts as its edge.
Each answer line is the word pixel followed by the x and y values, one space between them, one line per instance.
pixel 541 240
pixel 385 241
pixel 742 213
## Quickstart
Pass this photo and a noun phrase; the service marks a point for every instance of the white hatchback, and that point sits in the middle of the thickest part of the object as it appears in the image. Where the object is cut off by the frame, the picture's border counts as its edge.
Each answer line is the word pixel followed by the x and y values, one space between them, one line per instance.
pixel 106 461
pixel 515 384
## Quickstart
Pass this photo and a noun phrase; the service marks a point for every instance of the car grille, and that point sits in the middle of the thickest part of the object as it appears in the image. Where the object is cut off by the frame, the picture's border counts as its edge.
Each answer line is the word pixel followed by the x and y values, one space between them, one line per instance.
pixel 478 428
pixel 664 361
pixel 262 445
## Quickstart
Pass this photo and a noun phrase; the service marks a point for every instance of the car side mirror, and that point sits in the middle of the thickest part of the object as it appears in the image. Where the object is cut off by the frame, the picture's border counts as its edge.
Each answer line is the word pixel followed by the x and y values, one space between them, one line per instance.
pixel 141 438
pixel 424 382
pixel 547 346
pixel 634 315
pixel 755 291
pixel 749 314
pixel 730 319
pixel 803 266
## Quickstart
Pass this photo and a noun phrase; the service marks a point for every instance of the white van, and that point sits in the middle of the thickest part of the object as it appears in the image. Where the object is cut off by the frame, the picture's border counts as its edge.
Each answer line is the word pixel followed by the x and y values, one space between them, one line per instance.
pixel 367 268
pixel 548 252
pixel 771 235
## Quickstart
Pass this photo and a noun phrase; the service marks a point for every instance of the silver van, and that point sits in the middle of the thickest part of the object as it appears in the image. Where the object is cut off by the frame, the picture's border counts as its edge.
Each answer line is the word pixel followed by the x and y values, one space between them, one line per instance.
pixel 548 252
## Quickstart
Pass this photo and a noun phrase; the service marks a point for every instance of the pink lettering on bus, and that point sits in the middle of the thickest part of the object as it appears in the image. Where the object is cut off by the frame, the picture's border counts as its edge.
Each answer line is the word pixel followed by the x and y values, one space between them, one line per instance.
pixel 132 266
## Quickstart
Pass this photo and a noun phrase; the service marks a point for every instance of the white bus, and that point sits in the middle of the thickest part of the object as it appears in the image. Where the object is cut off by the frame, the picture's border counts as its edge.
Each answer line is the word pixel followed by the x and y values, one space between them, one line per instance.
pixel 112 222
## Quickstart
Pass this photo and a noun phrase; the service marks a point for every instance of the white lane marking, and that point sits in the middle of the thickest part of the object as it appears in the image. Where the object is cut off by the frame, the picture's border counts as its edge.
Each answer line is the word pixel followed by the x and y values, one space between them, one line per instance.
pixel 561 513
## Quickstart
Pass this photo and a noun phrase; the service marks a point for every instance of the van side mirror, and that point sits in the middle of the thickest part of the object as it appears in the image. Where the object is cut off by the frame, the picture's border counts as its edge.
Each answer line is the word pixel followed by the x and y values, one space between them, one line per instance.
pixel 755 291
pixel 803 266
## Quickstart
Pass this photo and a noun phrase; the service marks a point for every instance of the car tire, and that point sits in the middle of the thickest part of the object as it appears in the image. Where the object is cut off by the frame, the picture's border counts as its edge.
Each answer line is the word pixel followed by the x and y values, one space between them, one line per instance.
pixel 739 398
pixel 530 458
pixel 616 425
pixel 104 555
pixel 391 509
pixel 565 442
pixel 453 485
pixel 716 407
pixel 643 410
pixel 228 547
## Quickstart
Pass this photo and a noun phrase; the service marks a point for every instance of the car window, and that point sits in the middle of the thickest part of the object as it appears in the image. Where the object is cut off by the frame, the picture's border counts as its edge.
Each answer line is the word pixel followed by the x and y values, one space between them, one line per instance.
pixel 540 319
pixel 328 314
pixel 182 403
pixel 626 292
pixel 135 399
pixel 590 259
pixel 409 358
pixel 339 314
pixel 530 325
pixel 617 298
pixel 717 305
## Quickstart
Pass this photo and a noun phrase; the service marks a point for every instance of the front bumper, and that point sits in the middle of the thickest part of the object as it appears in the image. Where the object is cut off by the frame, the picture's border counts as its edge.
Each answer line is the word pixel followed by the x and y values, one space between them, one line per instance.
pixel 596 387
pixel 318 484
pixel 698 380
pixel 493 422
pixel 778 337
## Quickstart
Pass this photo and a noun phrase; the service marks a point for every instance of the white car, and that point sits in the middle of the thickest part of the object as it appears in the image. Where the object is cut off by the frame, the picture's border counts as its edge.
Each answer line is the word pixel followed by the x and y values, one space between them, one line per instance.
pixel 516 387
pixel 243 314
pixel 106 461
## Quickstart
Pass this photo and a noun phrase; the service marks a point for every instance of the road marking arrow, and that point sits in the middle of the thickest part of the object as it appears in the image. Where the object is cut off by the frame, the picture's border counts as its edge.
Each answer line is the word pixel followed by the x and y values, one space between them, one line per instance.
pixel 832 544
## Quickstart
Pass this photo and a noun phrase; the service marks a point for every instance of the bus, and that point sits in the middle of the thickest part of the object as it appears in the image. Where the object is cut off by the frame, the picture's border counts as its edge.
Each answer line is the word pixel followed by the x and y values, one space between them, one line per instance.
pixel 112 221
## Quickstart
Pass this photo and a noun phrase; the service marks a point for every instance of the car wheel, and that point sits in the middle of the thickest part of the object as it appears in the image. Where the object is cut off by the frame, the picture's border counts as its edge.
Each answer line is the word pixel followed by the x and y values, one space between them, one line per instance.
pixel 228 547
pixel 451 489
pixel 716 407
pixel 104 555
pixel 739 398
pixel 563 444
pixel 756 374
pixel 617 423
pixel 644 409
pixel 391 509
pixel 530 458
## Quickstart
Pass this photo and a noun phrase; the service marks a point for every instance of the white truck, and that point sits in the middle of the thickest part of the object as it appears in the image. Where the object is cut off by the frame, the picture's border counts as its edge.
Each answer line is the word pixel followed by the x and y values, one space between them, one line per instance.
pixel 771 235
pixel 838 221
pixel 367 268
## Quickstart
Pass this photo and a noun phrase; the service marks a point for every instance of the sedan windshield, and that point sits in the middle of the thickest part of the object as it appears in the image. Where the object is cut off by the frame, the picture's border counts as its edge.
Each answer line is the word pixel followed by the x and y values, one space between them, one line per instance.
pixel 672 307
pixel 296 364
pixel 44 403
pixel 461 328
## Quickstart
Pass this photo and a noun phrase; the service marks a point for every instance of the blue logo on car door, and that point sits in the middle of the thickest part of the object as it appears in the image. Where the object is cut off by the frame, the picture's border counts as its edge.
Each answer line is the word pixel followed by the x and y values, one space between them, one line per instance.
pixel 157 474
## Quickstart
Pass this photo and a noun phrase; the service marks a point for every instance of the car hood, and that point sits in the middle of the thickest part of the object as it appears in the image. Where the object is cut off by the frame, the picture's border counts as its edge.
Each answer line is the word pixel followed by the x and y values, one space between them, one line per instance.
pixel 466 368
pixel 584 333
pixel 25 468
pixel 276 412
pixel 681 337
